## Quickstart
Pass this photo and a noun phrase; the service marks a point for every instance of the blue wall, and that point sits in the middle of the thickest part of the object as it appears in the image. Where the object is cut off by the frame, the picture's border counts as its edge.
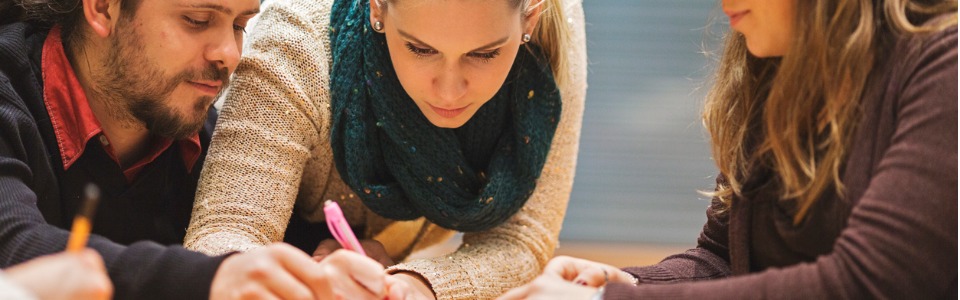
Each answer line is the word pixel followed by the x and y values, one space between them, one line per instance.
pixel 643 151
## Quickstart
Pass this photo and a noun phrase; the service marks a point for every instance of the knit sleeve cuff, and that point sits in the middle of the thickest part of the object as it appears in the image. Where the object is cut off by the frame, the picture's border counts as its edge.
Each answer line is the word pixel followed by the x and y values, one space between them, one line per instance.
pixel 651 274
pixel 447 282
pixel 626 291
pixel 220 243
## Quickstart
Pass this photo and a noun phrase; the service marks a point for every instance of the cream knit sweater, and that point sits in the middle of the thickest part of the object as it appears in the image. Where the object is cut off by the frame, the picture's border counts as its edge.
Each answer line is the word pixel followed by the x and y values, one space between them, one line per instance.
pixel 271 156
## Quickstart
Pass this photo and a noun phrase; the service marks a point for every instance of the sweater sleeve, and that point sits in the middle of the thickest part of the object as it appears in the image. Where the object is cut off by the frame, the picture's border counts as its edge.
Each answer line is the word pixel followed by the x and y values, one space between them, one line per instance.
pixel 490 262
pixel 143 270
pixel 901 237
pixel 709 260
pixel 270 122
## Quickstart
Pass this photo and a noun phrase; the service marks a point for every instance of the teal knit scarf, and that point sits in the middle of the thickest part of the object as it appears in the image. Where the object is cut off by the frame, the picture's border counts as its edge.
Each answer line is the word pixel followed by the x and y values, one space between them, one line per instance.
pixel 470 178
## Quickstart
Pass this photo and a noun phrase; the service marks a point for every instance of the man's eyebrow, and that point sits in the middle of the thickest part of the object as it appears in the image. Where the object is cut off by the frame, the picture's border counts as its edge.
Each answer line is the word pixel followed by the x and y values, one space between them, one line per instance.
pixel 224 9
pixel 418 41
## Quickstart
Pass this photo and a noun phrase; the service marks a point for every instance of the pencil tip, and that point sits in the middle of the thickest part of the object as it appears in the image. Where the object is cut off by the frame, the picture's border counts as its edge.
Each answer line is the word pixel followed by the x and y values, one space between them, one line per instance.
pixel 92 191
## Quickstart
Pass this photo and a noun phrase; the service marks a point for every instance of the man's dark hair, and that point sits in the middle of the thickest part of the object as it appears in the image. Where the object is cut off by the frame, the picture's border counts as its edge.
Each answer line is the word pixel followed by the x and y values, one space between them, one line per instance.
pixel 66 13
pixel 10 12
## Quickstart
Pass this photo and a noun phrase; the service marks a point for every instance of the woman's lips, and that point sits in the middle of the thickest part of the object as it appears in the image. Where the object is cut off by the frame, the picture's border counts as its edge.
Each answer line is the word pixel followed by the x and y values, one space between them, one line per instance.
pixel 448 113
pixel 736 16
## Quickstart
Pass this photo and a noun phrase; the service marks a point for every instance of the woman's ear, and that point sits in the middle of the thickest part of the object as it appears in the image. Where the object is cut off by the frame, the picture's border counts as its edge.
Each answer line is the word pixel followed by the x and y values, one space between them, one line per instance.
pixel 531 15
pixel 376 12
pixel 101 15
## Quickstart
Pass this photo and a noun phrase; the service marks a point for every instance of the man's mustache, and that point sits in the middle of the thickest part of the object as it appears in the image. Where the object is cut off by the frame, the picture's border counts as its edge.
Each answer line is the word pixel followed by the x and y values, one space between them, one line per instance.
pixel 210 73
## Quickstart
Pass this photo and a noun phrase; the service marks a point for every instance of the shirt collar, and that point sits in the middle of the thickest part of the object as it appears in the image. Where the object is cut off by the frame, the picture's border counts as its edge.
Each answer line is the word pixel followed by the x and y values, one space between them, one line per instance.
pixel 74 123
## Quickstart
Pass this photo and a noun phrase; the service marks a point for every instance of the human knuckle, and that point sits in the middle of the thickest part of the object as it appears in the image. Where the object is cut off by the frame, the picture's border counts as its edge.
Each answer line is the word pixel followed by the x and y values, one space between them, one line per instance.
pixel 313 278
pixel 302 295
pixel 248 292
pixel 335 257
pixel 258 269
pixel 98 290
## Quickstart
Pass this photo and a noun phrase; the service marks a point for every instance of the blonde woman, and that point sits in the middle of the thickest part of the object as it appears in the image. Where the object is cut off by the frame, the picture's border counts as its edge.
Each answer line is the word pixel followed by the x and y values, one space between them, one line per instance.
pixel 421 118
pixel 834 126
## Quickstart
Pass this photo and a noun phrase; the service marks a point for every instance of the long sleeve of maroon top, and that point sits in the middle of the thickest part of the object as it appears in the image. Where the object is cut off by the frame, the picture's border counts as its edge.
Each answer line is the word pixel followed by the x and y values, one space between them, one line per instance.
pixel 896 229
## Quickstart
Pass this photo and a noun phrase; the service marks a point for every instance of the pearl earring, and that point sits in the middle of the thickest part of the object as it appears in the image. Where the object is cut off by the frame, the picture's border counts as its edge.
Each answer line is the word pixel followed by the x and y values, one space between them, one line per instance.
pixel 377 26
pixel 525 38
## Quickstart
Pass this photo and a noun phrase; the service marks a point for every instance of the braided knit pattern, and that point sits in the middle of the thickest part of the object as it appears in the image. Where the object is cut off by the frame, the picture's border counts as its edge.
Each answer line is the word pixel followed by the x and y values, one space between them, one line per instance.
pixel 403 167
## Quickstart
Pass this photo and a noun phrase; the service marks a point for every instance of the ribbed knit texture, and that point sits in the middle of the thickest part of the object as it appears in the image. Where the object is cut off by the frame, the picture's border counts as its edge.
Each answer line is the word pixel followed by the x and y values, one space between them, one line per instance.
pixel 136 226
pixel 404 167
pixel 271 156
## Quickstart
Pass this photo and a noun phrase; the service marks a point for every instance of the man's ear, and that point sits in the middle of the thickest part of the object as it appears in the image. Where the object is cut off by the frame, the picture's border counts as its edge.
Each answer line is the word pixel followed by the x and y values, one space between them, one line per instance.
pixel 101 15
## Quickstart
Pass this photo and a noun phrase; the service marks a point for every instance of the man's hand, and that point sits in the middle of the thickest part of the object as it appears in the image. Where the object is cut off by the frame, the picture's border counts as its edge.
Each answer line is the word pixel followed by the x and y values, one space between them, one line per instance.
pixel 280 271
pixel 373 248
pixel 64 276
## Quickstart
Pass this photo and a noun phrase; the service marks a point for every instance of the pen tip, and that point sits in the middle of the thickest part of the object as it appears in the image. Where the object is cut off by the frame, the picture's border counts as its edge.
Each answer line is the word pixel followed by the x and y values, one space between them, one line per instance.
pixel 92 191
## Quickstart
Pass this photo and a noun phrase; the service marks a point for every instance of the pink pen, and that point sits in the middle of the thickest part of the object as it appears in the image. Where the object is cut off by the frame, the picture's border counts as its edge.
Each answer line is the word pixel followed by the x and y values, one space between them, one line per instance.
pixel 339 227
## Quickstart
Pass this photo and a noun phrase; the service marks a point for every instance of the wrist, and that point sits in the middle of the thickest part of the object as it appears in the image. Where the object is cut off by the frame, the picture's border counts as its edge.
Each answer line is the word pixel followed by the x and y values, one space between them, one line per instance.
pixel 417 281
pixel 633 279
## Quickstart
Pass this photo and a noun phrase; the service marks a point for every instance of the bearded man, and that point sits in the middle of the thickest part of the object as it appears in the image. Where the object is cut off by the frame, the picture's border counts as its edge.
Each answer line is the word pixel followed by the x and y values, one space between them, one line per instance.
pixel 117 93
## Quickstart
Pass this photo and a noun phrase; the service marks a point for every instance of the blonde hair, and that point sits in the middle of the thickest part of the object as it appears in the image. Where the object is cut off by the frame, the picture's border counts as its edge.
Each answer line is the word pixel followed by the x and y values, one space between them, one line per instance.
pixel 795 115
pixel 551 33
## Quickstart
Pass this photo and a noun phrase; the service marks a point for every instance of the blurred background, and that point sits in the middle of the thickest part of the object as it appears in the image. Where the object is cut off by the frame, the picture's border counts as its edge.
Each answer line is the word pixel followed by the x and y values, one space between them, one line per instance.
pixel 644 154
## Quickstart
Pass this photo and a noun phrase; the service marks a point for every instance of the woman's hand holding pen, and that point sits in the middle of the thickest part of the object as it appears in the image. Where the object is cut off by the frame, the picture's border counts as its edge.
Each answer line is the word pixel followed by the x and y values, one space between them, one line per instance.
pixel 372 248
pixel 353 261
pixel 280 271
pixel 400 286
pixel 350 275
pixel 408 286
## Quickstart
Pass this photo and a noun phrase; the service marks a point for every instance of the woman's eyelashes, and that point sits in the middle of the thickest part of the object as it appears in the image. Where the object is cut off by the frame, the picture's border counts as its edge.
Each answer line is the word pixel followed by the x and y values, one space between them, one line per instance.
pixel 420 52
pixel 425 52
pixel 485 56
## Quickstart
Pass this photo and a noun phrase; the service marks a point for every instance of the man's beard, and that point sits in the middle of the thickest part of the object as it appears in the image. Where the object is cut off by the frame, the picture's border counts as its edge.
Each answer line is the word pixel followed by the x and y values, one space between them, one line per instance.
pixel 136 91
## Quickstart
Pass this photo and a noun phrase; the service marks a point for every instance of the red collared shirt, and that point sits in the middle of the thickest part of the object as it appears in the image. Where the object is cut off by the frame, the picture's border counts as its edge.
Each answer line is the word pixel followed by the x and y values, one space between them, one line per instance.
pixel 74 123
